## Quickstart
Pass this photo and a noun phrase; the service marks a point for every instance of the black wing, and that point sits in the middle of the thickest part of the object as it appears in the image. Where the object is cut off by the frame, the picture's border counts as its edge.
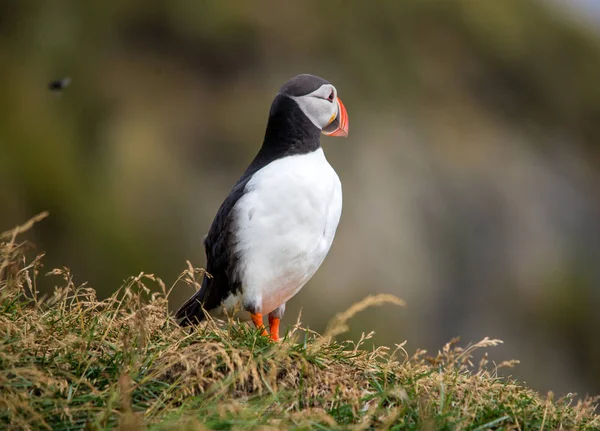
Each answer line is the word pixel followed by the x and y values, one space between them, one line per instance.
pixel 221 262
pixel 289 132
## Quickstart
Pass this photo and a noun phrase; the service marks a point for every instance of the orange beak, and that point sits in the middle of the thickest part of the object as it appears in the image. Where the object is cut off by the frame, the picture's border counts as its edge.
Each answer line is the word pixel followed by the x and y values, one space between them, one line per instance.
pixel 339 125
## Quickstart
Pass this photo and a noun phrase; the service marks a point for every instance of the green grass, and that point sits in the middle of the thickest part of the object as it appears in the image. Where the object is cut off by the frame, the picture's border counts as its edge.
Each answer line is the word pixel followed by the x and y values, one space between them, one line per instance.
pixel 70 361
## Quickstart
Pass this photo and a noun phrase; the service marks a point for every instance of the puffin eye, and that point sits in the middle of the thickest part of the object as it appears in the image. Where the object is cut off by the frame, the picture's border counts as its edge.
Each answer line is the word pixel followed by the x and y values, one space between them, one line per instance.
pixel 331 96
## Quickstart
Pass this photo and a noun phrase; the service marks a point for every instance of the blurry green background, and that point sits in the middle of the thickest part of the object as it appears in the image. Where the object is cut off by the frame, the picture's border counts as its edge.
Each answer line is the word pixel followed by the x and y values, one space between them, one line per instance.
pixel 471 174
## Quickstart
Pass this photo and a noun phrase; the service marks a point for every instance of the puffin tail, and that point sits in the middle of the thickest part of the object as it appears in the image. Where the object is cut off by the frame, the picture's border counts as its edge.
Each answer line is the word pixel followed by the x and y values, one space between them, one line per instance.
pixel 192 310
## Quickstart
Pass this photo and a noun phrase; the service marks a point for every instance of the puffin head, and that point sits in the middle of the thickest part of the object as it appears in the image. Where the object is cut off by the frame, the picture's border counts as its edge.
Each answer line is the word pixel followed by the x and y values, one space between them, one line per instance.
pixel 319 101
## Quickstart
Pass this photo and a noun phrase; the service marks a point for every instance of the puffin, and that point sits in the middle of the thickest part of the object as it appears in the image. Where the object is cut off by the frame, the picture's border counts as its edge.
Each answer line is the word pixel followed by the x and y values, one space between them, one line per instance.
pixel 274 229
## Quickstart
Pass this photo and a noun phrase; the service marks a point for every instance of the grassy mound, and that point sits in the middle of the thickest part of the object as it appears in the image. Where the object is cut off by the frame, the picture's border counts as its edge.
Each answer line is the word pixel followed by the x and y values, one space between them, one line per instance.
pixel 70 361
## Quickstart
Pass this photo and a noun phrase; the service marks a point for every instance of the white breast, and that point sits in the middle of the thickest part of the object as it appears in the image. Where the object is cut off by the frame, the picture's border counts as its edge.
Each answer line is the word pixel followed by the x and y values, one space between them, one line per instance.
pixel 285 224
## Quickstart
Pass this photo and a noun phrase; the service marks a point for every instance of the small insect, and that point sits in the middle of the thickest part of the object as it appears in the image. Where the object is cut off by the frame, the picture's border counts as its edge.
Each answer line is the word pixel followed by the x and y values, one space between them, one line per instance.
pixel 59 84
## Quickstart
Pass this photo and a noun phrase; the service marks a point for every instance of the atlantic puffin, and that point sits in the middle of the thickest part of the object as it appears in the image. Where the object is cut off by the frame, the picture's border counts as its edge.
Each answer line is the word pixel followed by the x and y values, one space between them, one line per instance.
pixel 274 229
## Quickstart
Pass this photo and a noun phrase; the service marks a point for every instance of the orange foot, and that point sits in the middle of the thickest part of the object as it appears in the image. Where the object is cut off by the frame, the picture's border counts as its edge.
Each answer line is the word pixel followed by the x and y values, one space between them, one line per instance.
pixel 274 327
pixel 257 318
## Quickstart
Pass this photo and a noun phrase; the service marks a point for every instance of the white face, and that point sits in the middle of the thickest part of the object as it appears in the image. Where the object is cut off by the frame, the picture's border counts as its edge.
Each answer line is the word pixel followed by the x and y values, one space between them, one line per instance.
pixel 320 106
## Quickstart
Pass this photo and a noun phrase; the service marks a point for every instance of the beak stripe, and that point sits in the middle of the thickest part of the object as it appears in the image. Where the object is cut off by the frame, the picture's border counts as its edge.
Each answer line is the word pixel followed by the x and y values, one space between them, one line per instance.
pixel 342 129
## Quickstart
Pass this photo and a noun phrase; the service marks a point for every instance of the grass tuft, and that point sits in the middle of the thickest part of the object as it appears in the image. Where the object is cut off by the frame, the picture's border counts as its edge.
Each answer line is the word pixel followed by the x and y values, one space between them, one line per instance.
pixel 69 361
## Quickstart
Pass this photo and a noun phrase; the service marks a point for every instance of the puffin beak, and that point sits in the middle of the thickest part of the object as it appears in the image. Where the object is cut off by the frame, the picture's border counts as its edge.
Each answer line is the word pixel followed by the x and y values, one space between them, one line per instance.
pixel 339 124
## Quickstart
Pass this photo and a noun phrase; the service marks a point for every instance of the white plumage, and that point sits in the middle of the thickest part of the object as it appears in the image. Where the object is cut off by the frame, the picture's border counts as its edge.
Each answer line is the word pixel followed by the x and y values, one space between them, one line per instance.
pixel 285 224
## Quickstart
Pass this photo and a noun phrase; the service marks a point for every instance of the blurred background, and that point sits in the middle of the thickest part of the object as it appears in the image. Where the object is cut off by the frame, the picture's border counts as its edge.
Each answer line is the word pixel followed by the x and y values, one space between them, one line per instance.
pixel 471 174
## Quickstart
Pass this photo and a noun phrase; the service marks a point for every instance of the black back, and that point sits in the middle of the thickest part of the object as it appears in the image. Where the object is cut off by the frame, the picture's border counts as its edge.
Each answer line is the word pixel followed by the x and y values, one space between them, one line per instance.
pixel 289 132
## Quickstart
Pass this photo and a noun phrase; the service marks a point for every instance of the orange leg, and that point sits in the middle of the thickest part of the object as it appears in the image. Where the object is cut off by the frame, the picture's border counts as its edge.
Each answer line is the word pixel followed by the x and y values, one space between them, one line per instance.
pixel 258 322
pixel 274 327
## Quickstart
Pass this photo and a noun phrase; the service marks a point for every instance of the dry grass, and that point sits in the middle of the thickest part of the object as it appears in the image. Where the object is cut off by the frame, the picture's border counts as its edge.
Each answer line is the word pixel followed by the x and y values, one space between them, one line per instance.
pixel 70 361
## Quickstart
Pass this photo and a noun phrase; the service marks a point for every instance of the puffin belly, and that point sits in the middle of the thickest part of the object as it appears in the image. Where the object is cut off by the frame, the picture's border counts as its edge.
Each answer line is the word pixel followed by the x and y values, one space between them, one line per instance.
pixel 285 224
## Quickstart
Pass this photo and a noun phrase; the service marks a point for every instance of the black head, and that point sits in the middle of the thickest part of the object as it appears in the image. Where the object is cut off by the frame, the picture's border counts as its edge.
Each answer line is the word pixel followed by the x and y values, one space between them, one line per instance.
pixel 301 85
pixel 305 107
pixel 318 101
